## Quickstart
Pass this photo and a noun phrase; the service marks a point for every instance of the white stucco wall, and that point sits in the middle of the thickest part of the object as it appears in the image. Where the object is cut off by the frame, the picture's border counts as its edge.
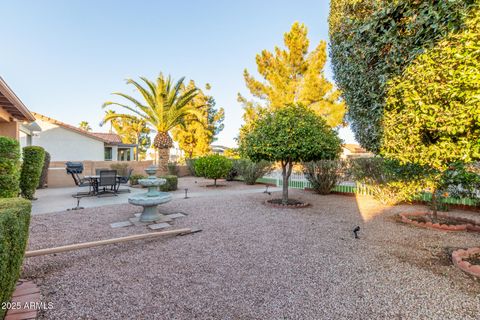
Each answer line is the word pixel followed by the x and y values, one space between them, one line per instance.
pixel 67 145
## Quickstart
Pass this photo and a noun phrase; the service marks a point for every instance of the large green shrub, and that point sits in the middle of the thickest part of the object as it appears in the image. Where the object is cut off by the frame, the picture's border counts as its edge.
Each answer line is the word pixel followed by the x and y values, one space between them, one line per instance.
pixel 373 41
pixel 14 222
pixel 213 167
pixel 432 113
pixel 171 183
pixel 44 175
pixel 33 158
pixel 9 167
pixel 291 134
pixel 324 174
pixel 388 180
pixel 252 171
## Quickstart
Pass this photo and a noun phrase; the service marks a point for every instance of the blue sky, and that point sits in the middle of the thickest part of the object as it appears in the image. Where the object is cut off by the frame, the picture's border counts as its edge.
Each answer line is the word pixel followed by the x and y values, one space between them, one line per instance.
pixel 64 58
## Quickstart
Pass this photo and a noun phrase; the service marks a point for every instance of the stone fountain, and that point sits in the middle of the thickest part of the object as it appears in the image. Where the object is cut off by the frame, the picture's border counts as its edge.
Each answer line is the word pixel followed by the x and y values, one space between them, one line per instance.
pixel 151 199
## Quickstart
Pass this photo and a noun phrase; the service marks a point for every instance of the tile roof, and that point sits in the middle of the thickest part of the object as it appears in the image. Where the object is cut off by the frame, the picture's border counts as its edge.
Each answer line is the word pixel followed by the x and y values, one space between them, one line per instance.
pixel 110 138
pixel 355 148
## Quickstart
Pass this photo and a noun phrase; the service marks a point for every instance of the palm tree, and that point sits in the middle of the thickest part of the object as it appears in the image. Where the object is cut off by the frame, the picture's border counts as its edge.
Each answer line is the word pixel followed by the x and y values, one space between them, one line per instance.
pixel 85 126
pixel 164 107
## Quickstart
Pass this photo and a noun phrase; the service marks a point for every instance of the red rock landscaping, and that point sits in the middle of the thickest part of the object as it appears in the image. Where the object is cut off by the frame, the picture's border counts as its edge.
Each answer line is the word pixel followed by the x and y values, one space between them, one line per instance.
pixel 460 257
pixel 461 224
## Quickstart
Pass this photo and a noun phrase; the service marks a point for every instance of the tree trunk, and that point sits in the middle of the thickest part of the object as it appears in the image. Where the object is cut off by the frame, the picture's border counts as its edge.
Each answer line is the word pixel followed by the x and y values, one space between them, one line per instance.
pixel 434 205
pixel 137 151
pixel 162 161
pixel 286 172
pixel 215 182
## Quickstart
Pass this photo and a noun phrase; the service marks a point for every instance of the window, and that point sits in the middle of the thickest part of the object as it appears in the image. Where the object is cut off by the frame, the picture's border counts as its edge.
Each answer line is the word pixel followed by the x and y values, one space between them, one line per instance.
pixel 123 154
pixel 108 153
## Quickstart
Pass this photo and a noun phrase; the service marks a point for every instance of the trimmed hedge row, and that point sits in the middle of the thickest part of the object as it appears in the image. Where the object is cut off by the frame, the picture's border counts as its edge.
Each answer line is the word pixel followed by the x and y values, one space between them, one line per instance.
pixel 9 167
pixel 14 223
pixel 33 158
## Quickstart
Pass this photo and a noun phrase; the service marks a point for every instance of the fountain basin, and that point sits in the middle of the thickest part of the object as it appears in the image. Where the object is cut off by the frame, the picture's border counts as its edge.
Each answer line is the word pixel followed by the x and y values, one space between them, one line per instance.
pixel 151 199
pixel 144 200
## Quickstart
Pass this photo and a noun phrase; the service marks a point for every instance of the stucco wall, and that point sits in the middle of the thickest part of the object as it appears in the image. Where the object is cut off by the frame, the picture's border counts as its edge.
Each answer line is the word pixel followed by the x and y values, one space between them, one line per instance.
pixel 66 145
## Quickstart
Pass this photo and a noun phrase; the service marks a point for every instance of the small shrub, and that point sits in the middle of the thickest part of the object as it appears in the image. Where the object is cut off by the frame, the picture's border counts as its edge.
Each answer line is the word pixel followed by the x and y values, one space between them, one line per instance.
pixel 324 174
pixel 173 168
pixel 191 166
pixel 213 167
pixel 171 184
pixel 121 167
pixel 33 158
pixel 44 175
pixel 135 177
pixel 9 168
pixel 252 171
pixel 14 223
pixel 233 173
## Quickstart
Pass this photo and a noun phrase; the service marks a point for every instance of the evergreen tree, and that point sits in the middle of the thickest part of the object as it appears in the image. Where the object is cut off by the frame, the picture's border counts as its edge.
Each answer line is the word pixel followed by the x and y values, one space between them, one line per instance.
pixel 292 75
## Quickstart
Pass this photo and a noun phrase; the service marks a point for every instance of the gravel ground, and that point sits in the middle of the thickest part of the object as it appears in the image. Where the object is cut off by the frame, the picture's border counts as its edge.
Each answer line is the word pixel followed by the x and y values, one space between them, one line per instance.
pixel 254 262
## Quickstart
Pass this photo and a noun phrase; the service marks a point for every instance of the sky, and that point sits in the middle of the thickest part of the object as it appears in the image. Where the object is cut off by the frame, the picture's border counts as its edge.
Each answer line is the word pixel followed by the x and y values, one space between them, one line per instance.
pixel 65 58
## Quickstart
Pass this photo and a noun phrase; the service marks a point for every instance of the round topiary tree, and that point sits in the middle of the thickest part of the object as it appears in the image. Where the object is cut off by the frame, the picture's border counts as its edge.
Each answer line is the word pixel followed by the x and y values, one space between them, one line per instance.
pixel 33 158
pixel 213 167
pixel 432 113
pixel 289 135
pixel 9 167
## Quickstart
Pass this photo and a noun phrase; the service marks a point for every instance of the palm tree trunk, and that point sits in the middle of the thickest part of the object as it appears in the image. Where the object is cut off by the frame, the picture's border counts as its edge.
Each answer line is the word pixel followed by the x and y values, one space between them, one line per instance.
pixel 162 160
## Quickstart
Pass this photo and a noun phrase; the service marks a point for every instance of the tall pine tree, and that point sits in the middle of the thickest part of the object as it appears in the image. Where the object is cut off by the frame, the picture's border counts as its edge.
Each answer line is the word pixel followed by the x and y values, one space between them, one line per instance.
pixel 292 75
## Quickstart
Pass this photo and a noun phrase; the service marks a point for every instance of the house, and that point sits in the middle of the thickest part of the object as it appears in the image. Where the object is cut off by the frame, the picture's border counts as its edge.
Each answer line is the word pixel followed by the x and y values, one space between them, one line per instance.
pixel 218 149
pixel 65 142
pixel 352 151
pixel 15 119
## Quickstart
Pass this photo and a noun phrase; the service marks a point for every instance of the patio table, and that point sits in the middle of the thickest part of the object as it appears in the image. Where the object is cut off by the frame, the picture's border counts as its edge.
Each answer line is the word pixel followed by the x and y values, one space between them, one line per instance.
pixel 94 179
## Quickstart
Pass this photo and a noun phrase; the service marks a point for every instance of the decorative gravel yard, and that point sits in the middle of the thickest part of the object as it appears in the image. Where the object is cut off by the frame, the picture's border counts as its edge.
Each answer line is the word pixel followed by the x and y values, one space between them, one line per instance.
pixel 252 261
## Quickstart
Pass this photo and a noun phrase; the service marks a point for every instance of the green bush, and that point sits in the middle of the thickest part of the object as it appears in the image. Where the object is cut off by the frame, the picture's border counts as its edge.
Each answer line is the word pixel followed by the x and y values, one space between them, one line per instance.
pixel 191 166
pixel 173 168
pixel 33 158
pixel 9 167
pixel 374 41
pixel 213 167
pixel 121 167
pixel 171 184
pixel 14 223
pixel 44 175
pixel 251 171
pixel 324 174
pixel 135 177
pixel 233 173
pixel 388 180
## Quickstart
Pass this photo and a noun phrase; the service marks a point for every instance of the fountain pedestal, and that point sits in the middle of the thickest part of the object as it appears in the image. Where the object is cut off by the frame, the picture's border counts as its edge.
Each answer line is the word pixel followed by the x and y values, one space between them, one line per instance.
pixel 151 199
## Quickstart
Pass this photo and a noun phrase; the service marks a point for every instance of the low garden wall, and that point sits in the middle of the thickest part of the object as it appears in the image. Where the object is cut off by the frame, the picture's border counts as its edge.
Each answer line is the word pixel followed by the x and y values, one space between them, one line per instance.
pixel 58 177
pixel 14 223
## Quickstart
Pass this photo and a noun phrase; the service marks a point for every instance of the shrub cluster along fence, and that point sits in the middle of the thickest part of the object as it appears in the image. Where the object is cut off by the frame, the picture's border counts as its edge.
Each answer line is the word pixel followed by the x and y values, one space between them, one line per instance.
pixel 299 181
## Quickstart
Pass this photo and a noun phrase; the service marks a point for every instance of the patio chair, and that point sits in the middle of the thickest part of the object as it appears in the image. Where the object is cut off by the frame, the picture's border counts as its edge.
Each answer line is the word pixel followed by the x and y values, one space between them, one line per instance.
pixel 124 180
pixel 98 170
pixel 75 169
pixel 107 182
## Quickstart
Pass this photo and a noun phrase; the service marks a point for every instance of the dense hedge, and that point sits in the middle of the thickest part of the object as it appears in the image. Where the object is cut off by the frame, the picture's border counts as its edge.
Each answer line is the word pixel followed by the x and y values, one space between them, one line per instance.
pixel 432 111
pixel 14 222
pixel 373 41
pixel 33 158
pixel 9 167
pixel 44 175
pixel 171 184
pixel 213 167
